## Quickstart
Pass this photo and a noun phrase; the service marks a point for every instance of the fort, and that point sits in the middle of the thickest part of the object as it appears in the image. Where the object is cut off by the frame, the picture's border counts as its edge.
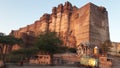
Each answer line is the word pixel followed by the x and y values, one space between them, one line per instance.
pixel 88 24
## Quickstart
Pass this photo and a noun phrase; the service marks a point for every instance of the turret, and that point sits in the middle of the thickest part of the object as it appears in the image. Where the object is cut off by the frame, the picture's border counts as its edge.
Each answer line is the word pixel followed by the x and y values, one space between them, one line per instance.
pixel 60 8
pixel 45 17
pixel 67 7
pixel 54 10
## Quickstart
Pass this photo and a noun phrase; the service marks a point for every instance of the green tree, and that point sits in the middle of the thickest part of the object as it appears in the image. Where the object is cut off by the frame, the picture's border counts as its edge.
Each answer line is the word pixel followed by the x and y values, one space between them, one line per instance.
pixel 48 43
pixel 105 47
pixel 27 48
pixel 25 53
pixel 6 42
pixel 73 50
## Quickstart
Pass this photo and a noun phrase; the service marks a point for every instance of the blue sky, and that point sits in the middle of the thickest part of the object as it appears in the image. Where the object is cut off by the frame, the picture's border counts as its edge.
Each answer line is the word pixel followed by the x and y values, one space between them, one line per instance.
pixel 15 14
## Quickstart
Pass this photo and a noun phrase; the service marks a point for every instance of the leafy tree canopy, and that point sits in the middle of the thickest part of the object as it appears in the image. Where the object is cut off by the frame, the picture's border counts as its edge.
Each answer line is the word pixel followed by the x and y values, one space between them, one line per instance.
pixel 9 40
pixel 73 50
pixel 48 42
pixel 26 52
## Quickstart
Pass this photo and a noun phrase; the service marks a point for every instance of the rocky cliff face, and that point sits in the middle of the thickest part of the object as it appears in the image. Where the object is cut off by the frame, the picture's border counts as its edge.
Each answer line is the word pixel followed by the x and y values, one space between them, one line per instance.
pixel 74 25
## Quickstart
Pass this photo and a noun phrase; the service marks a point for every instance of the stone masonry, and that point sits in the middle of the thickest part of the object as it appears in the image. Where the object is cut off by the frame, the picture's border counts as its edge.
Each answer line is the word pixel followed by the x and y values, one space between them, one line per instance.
pixel 74 25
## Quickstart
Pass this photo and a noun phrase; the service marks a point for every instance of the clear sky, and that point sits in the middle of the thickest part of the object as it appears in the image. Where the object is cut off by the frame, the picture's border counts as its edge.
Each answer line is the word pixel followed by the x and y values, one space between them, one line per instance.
pixel 15 14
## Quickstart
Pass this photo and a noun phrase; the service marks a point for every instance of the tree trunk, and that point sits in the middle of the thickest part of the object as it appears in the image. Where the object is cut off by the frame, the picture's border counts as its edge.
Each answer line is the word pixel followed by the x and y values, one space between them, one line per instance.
pixel 1 50
pixel 3 56
pixel 5 52
pixel 51 60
